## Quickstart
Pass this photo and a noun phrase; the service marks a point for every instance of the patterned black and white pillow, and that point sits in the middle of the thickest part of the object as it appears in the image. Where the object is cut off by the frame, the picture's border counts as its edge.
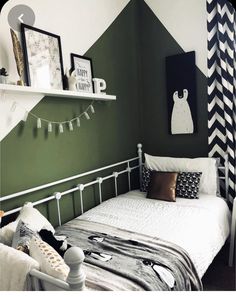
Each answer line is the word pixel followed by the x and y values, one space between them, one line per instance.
pixel 22 237
pixel 187 185
pixel 146 177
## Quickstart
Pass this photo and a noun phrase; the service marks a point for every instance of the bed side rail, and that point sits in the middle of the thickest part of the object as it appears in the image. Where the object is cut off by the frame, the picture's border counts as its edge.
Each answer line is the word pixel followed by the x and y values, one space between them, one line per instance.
pixel 80 187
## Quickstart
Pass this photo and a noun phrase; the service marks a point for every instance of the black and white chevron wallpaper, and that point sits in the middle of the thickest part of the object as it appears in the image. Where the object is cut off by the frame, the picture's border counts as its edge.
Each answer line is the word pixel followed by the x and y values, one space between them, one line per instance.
pixel 222 84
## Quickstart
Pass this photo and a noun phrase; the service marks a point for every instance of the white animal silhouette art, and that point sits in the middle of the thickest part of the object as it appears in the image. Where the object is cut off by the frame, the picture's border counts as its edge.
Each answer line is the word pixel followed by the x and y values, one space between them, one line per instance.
pixel 181 118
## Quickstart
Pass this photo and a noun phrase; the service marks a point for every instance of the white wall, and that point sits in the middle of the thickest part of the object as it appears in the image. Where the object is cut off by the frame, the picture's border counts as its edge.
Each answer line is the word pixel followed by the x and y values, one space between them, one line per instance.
pixel 186 21
pixel 79 23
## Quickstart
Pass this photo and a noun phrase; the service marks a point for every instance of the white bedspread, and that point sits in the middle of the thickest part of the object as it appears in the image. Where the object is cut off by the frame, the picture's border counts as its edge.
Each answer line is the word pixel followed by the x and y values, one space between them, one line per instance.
pixel 15 266
pixel 200 226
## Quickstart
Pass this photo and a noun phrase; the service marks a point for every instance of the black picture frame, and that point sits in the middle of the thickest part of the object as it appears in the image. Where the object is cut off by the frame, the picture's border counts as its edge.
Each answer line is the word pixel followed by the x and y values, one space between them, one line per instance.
pixel 83 75
pixel 42 57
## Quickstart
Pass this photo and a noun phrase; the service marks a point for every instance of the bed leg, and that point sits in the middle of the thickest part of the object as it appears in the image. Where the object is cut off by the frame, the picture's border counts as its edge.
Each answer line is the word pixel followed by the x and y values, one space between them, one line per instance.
pixel 140 163
pixel 74 258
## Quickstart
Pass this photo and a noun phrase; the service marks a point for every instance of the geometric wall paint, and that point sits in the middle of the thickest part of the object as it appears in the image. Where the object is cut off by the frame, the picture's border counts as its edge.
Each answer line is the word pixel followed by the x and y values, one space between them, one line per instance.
pixel 186 21
pixel 95 17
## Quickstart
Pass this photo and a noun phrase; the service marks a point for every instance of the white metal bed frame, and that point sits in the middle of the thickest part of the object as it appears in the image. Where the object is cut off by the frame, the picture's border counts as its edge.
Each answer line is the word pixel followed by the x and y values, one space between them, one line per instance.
pixel 80 187
pixel 74 256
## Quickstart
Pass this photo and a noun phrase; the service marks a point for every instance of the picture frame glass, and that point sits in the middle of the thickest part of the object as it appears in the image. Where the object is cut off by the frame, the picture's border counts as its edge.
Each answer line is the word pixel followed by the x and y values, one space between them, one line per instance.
pixel 83 72
pixel 43 58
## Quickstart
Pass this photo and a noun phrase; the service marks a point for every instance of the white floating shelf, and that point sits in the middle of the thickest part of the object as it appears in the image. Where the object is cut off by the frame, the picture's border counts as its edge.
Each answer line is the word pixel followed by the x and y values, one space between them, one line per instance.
pixel 22 90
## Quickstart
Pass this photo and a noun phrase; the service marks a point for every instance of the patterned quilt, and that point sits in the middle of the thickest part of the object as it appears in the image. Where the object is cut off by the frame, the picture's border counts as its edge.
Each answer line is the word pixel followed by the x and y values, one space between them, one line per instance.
pixel 116 259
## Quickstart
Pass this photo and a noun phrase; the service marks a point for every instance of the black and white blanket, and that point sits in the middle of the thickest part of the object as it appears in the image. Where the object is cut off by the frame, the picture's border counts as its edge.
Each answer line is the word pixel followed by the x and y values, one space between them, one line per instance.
pixel 148 263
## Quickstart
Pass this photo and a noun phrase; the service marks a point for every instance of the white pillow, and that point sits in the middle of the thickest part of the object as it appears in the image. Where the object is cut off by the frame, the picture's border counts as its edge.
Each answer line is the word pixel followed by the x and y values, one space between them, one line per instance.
pixel 29 215
pixel 208 182
pixel 49 260
pixel 34 218
pixel 7 232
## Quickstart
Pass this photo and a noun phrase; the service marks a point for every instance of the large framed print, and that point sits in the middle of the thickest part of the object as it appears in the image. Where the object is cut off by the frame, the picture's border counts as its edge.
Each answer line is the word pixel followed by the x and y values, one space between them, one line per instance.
pixel 181 90
pixel 43 58
pixel 82 66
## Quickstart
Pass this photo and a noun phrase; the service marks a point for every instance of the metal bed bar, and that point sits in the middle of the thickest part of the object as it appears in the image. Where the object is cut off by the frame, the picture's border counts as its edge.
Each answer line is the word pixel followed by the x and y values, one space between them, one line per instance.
pixel 31 190
pixel 80 187
pixel 98 180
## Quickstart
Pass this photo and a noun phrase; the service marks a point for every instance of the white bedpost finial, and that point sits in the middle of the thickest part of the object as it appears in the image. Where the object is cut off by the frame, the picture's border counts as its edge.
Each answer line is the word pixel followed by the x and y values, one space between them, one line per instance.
pixel 140 153
pixel 74 258
pixel 139 146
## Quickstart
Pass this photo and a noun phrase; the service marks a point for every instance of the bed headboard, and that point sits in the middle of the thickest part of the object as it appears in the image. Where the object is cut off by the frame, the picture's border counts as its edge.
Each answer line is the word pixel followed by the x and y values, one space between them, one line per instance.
pixel 132 164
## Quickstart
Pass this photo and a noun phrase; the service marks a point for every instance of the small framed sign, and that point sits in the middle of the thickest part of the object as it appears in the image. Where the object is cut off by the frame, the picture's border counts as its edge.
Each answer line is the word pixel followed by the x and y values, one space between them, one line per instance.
pixel 83 72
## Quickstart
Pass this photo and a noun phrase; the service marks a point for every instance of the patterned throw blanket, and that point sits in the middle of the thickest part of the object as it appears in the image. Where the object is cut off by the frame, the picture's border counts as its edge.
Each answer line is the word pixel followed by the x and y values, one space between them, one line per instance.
pixel 150 264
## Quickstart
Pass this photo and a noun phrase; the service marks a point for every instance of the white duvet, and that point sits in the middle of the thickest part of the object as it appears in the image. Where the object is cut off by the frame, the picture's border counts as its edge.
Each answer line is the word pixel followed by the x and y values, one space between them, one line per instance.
pixel 200 226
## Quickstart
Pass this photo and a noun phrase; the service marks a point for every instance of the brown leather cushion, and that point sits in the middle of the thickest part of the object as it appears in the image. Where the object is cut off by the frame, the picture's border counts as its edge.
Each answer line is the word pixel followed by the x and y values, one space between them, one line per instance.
pixel 162 186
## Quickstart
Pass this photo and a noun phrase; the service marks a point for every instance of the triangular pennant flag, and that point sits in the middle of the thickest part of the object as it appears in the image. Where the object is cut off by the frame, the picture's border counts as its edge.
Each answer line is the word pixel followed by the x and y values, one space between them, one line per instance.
pixel 92 109
pixel 71 126
pixel 49 127
pixel 39 123
pixel 86 115
pixel 78 122
pixel 61 130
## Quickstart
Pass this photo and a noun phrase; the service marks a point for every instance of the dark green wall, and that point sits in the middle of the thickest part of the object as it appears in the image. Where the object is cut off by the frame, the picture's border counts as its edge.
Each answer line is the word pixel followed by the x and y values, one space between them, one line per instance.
pixel 130 56
pixel 32 157
pixel 156 43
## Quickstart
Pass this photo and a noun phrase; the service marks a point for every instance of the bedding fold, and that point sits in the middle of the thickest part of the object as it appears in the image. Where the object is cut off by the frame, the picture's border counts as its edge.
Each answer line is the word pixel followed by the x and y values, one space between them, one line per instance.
pixel 150 264
pixel 200 226
pixel 14 277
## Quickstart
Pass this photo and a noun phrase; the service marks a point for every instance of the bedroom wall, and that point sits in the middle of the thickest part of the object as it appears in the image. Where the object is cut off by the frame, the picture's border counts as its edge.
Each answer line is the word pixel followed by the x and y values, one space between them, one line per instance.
pixel 30 157
pixel 128 42
pixel 168 28
pixel 79 29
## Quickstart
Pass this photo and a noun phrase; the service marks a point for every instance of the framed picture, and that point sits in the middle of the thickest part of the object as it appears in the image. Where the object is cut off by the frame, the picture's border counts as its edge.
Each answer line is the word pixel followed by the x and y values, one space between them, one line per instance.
pixel 181 90
pixel 43 58
pixel 83 72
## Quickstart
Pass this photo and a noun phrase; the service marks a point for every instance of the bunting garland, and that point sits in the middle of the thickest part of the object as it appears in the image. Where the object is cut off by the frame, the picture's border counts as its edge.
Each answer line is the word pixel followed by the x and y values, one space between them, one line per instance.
pixel 78 122
pixel 52 124
pixel 49 127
